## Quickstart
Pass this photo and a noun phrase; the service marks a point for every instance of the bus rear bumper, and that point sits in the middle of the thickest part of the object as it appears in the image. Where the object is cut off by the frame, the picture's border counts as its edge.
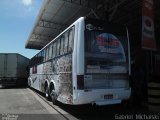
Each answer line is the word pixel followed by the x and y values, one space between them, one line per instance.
pixel 97 97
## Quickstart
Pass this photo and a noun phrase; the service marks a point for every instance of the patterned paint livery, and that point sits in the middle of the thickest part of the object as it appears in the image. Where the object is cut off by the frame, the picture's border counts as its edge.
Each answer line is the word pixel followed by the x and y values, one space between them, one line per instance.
pixel 60 71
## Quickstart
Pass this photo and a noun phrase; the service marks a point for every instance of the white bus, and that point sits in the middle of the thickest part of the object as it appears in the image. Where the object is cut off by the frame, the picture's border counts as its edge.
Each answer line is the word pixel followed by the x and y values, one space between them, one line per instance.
pixel 89 62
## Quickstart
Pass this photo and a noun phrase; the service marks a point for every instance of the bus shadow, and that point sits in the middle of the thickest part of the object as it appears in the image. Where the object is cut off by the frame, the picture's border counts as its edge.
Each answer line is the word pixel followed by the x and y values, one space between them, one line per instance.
pixel 89 112
pixel 111 112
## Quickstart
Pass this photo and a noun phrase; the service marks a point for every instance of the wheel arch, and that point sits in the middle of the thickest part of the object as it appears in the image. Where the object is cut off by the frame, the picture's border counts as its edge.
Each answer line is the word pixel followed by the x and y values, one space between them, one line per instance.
pixel 52 84
pixel 46 84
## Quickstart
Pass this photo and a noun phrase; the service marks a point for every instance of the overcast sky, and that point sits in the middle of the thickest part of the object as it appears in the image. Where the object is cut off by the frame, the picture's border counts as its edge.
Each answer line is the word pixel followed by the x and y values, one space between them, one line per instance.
pixel 17 18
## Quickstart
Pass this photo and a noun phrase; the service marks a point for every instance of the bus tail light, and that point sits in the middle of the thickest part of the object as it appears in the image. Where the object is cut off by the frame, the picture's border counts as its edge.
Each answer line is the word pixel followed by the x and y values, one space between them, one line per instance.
pixel 80 82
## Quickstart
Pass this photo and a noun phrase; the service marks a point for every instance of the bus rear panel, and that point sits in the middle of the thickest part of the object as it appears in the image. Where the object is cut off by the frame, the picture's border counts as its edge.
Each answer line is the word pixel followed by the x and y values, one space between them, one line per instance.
pixel 103 69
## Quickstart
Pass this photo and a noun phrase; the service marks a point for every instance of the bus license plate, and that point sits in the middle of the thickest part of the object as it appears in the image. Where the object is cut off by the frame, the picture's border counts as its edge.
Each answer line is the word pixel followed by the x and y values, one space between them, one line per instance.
pixel 109 96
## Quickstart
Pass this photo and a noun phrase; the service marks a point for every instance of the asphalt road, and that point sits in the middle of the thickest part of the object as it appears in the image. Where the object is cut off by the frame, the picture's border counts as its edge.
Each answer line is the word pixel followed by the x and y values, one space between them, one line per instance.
pixel 27 104
pixel 24 104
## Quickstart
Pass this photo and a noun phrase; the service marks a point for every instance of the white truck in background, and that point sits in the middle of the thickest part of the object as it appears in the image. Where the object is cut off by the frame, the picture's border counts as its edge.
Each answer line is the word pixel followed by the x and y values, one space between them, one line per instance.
pixel 13 69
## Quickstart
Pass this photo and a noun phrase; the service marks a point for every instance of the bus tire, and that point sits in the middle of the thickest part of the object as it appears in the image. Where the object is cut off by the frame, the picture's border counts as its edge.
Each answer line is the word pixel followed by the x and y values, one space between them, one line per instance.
pixel 53 95
pixel 47 96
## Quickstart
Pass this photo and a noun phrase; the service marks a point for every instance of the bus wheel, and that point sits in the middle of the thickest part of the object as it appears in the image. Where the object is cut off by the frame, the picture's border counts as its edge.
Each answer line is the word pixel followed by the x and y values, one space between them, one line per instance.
pixel 53 96
pixel 47 96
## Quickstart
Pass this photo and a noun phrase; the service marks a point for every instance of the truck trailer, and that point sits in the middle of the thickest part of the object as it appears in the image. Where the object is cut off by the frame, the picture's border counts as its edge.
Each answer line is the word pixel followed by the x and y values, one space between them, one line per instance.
pixel 13 69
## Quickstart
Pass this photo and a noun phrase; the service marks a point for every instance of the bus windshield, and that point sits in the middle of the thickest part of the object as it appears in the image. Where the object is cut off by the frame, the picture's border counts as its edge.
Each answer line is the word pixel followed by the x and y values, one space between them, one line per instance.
pixel 105 52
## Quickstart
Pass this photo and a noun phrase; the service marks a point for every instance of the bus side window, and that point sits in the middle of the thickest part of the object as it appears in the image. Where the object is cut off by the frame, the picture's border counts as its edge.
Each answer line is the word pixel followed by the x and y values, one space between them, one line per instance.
pixel 44 59
pixel 54 50
pixel 36 60
pixel 42 56
pixel 62 45
pixel 31 62
pixel 47 53
pixel 58 47
pixel 71 37
pixel 65 42
pixel 50 51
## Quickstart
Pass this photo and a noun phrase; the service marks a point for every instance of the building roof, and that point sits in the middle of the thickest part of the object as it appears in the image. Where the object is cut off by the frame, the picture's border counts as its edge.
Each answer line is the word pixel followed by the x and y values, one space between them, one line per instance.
pixel 55 15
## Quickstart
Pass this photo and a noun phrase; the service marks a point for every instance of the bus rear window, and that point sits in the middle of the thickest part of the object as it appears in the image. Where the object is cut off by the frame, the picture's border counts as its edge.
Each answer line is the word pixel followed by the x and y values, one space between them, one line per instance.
pixel 105 51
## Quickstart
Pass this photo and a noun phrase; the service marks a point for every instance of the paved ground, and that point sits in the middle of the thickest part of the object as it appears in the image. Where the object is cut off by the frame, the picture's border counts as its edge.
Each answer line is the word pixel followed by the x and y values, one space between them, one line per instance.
pixel 26 104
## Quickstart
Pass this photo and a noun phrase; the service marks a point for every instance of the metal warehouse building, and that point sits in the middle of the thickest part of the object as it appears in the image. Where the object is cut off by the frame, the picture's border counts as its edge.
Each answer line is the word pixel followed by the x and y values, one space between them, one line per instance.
pixel 55 15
